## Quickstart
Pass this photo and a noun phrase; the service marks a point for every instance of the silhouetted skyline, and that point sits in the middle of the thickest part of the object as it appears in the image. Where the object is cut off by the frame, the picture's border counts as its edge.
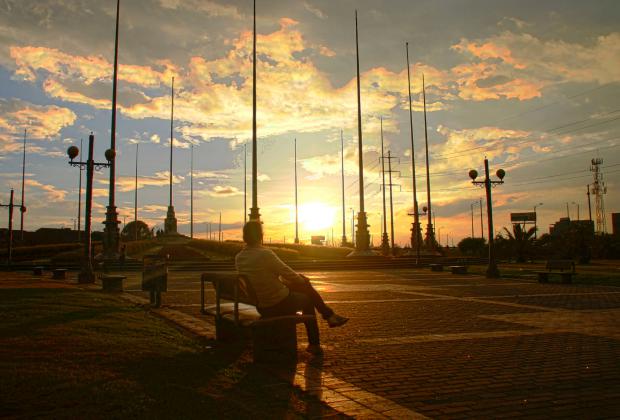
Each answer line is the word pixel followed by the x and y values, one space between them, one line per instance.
pixel 531 85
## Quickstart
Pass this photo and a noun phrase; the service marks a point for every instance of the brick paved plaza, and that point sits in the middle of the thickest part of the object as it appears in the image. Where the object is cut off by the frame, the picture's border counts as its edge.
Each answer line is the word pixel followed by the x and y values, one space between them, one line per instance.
pixel 422 344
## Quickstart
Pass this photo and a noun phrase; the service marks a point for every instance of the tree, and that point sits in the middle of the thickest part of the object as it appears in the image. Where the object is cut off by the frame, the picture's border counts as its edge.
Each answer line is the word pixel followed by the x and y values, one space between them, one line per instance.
pixel 472 246
pixel 520 240
pixel 129 231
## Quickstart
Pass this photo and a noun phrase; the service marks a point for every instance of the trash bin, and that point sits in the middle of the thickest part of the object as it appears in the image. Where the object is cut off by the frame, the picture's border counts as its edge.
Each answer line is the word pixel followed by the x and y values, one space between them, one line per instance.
pixel 155 277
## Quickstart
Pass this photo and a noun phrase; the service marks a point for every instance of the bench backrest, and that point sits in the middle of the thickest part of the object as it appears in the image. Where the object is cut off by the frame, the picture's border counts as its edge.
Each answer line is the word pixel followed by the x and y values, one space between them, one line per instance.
pixel 560 265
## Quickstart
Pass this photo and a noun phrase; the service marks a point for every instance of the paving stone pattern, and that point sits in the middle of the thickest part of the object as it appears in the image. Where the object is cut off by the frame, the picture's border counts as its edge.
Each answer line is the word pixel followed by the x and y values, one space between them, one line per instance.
pixel 444 346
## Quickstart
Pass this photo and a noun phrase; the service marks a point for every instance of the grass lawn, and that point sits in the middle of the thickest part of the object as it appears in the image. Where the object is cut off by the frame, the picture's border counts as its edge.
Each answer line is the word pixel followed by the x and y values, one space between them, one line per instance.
pixel 598 272
pixel 72 353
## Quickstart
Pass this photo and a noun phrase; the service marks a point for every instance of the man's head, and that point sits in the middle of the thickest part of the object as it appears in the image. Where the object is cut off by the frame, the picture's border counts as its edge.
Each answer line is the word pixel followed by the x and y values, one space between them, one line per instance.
pixel 253 233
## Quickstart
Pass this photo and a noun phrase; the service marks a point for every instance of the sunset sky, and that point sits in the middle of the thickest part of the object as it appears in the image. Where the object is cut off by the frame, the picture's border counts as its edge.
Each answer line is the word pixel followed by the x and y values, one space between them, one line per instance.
pixel 533 85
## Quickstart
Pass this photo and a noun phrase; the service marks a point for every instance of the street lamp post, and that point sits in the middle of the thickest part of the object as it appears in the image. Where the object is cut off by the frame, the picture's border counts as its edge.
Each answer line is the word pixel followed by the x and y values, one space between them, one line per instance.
pixel 10 206
pixel 536 221
pixel 471 207
pixel 87 275
pixel 492 270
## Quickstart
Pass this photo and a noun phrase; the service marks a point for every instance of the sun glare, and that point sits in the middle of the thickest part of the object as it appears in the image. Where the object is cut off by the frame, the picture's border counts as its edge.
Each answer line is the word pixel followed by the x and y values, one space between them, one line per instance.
pixel 316 217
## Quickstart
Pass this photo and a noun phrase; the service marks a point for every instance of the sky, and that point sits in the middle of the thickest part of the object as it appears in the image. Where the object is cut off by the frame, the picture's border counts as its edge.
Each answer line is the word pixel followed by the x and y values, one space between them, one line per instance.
pixel 531 85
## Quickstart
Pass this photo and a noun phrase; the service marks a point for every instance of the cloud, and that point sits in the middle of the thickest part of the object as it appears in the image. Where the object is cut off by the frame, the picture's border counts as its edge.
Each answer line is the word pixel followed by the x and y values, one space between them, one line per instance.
pixel 224 191
pixel 42 122
pixel 314 10
pixel 211 8
pixel 263 177
pixel 127 183
pixel 210 175
pixel 51 192
pixel 519 65
pixel 213 100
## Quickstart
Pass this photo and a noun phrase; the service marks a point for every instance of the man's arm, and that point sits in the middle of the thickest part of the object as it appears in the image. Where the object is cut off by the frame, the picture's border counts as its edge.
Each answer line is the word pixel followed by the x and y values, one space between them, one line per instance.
pixel 286 272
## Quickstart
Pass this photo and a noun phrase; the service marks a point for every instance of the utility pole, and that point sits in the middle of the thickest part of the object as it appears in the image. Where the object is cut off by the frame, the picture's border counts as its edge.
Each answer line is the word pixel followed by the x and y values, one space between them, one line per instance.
pixel 589 204
pixel 344 230
pixel 111 232
pixel 296 208
pixel 254 214
pixel 220 229
pixel 389 158
pixel 416 234
pixel 599 189
pixel 22 208
pixel 135 197
pixel 385 245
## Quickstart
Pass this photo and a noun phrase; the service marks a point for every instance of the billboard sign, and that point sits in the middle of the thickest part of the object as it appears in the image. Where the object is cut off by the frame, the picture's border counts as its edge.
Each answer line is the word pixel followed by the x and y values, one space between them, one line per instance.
pixel 523 217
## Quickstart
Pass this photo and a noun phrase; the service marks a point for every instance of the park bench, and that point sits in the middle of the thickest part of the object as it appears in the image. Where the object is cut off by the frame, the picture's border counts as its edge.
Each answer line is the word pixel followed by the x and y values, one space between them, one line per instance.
pixel 458 269
pixel 273 338
pixel 564 268
pixel 37 271
pixel 59 273
pixel 436 267
pixel 112 283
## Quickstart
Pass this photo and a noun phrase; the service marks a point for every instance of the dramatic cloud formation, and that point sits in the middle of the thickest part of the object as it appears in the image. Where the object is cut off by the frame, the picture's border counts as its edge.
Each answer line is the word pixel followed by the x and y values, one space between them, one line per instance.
pixel 42 123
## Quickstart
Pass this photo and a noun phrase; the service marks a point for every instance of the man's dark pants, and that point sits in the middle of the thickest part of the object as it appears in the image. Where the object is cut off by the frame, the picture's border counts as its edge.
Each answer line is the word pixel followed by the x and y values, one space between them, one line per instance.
pixel 303 297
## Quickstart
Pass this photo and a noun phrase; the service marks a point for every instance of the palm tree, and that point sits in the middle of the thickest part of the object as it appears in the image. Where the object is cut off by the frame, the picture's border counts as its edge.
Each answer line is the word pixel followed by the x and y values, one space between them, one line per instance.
pixel 520 240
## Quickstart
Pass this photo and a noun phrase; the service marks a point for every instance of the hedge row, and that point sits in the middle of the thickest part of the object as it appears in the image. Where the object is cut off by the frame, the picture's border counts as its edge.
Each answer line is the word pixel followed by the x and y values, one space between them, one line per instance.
pixel 35 252
pixel 231 248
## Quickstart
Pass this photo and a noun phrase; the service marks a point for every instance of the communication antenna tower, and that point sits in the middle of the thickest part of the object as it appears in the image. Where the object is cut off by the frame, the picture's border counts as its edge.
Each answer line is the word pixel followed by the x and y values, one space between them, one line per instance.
pixel 599 189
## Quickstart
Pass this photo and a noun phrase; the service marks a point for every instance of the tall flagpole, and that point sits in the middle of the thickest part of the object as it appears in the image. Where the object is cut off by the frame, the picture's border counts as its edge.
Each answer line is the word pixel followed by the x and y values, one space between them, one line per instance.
pixel 22 208
pixel 385 245
pixel 170 224
pixel 415 228
pixel 389 157
pixel 344 229
pixel 296 208
pixel 135 198
pixel 111 230
pixel 245 183
pixel 362 236
pixel 191 193
pixel 171 135
pixel 254 214
pixel 430 235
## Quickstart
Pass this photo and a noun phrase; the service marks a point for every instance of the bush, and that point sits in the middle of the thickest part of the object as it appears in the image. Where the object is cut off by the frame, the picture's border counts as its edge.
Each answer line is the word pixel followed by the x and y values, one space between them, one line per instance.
pixel 36 252
pixel 232 248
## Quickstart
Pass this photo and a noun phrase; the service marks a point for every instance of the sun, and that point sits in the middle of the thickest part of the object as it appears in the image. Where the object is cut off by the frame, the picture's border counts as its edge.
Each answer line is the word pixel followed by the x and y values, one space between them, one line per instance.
pixel 316 216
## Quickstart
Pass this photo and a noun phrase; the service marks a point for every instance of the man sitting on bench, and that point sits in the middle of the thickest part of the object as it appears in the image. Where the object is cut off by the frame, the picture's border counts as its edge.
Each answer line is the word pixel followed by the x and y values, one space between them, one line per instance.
pixel 279 289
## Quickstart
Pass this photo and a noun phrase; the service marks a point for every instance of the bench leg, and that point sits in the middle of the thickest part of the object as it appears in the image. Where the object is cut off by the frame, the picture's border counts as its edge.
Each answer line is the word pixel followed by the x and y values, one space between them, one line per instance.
pixel 275 343
pixel 567 278
pixel 543 277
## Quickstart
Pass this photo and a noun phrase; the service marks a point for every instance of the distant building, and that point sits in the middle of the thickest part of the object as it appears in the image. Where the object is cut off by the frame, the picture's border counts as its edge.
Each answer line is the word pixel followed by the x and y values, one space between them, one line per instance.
pixel 562 226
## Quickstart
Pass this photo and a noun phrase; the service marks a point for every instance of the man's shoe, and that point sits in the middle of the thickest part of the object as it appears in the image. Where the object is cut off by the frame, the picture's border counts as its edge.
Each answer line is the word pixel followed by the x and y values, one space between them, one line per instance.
pixel 314 349
pixel 336 320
